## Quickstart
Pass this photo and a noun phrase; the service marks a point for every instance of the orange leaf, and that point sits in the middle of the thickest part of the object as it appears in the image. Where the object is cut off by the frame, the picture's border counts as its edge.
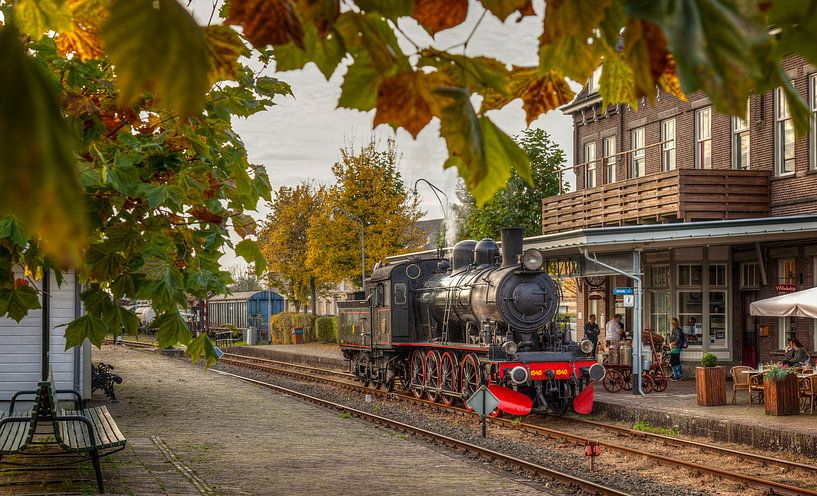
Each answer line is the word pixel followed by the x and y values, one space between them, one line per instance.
pixel 437 15
pixel 669 80
pixel 204 215
pixel 83 42
pixel 539 92
pixel 405 100
pixel 267 22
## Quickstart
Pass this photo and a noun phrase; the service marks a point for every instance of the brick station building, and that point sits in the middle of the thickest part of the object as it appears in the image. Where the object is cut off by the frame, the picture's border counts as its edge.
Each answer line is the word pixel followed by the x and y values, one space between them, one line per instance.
pixel 721 210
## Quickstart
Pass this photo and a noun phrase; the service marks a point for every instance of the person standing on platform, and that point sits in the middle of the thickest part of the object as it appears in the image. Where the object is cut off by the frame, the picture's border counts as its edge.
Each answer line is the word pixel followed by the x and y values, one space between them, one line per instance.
pixel 591 331
pixel 612 330
pixel 677 343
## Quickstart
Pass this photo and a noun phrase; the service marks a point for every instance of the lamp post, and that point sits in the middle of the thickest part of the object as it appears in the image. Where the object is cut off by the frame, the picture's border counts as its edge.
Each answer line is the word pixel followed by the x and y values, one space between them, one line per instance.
pixel 435 190
pixel 362 242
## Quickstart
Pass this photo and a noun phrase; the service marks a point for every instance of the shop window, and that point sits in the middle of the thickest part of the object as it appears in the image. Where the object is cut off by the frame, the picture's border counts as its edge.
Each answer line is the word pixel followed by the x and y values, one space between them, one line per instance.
pixel 703 138
pixel 717 275
pixel 690 313
pixel 659 276
pixel 749 275
pixel 690 275
pixel 717 319
pixel 787 271
pixel 784 331
pixel 741 140
pixel 783 136
pixel 659 312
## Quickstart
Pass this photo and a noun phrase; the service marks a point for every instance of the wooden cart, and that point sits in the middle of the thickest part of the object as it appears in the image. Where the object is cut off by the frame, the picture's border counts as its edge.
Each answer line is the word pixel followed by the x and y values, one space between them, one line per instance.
pixel 620 377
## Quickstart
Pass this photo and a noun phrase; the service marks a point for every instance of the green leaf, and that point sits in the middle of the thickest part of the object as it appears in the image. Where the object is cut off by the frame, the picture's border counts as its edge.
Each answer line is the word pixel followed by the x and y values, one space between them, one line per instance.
pixel 35 17
pixel 12 229
pixel 373 33
pixel 359 88
pixel 124 237
pixel 271 87
pixel 460 128
pixel 168 195
pixel 249 250
pixel 172 330
pixel 326 52
pixel 156 46
pixel 16 302
pixel 122 321
pixel 502 155
pixel 387 8
pixel 88 326
pixel 167 291
pixel 564 43
pixel 202 346
pixel 224 47
pixel 616 83
pixel 104 262
pixel 476 73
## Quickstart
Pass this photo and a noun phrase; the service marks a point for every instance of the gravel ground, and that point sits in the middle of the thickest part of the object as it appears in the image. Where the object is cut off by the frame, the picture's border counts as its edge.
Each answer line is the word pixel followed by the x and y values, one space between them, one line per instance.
pixel 639 478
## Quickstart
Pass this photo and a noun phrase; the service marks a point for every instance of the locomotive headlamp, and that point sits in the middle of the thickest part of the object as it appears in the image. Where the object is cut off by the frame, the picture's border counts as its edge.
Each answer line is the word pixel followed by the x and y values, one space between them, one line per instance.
pixel 532 259
pixel 510 347
pixel 586 346
pixel 597 371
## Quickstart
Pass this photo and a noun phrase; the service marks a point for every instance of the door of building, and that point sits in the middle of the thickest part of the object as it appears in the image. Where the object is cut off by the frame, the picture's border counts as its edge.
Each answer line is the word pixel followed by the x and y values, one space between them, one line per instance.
pixel 749 332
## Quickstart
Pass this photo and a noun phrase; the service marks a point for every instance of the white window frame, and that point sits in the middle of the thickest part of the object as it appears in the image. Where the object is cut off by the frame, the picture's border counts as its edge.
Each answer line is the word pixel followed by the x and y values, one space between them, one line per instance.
pixel 638 166
pixel 703 138
pixel 783 326
pixel 741 132
pixel 747 268
pixel 812 85
pixel 591 165
pixel 784 156
pixel 668 144
pixel 608 150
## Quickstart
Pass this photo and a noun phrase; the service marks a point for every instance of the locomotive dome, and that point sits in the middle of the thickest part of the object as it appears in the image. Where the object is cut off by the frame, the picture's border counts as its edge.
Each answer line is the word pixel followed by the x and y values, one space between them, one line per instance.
pixel 463 254
pixel 486 252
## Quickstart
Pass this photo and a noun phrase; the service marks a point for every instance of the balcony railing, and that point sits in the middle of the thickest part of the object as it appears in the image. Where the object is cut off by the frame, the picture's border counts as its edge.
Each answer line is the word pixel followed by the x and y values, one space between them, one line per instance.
pixel 682 194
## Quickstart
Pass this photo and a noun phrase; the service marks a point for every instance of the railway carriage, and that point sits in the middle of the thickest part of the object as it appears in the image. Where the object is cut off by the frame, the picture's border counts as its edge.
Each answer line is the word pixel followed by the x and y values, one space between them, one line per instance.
pixel 242 310
pixel 446 326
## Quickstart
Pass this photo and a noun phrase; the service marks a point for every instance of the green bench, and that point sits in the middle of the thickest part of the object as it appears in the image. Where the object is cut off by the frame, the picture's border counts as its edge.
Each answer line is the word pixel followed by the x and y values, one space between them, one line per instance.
pixel 82 430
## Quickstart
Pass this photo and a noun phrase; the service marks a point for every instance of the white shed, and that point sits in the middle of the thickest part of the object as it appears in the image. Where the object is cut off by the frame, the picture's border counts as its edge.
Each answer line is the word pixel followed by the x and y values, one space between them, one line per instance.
pixel 21 344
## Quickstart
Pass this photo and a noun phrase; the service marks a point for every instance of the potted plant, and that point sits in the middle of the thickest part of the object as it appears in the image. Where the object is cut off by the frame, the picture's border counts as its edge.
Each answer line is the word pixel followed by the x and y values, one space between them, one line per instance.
pixel 780 390
pixel 710 381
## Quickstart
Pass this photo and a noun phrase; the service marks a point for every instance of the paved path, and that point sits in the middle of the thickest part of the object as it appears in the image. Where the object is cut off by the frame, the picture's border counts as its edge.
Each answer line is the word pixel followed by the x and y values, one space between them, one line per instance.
pixel 196 432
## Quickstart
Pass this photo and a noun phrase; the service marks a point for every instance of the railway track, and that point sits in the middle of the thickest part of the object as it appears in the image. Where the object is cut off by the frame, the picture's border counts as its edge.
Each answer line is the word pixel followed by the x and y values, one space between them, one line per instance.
pixel 344 380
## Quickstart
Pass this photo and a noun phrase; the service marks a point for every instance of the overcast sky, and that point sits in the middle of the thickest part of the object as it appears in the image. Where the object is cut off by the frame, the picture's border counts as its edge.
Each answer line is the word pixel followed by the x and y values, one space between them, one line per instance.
pixel 300 137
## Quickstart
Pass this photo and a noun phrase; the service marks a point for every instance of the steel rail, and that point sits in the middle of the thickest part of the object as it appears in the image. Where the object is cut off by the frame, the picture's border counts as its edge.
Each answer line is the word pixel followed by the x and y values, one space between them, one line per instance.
pixel 774 487
pixel 585 485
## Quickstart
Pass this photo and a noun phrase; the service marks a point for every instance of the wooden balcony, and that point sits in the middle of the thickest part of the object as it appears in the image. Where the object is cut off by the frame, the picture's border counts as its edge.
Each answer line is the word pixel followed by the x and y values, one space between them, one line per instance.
pixel 682 194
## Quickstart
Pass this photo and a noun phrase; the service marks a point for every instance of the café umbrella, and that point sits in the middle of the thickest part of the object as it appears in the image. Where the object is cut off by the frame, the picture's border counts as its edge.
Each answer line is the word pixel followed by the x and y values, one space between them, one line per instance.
pixel 797 304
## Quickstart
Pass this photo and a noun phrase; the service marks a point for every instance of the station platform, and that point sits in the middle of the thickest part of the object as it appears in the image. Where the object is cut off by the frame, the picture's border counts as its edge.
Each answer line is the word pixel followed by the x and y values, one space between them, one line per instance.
pixel 675 407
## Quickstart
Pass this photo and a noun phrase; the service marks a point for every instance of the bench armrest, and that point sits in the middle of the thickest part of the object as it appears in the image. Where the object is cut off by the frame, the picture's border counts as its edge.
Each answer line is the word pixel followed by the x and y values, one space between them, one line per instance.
pixel 14 419
pixel 84 420
pixel 79 403
pixel 19 393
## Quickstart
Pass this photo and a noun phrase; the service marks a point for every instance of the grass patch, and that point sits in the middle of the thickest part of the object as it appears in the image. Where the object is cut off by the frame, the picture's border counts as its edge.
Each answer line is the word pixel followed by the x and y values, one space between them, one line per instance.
pixel 644 426
pixel 345 415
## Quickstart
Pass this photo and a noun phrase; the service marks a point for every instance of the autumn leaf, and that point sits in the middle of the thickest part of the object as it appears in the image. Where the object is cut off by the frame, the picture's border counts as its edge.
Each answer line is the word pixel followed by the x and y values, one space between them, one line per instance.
pixel 478 74
pixel 244 225
pixel 669 80
pixel 503 8
pixel 437 15
pixel 372 33
pixel 82 41
pixel 156 46
pixel 35 17
pixel 502 155
pixel 359 87
pixel 388 8
pixel 267 22
pixel 404 100
pixel 539 92
pixel 325 51
pixel 617 84
pixel 645 49
pixel 224 47
pixel 564 46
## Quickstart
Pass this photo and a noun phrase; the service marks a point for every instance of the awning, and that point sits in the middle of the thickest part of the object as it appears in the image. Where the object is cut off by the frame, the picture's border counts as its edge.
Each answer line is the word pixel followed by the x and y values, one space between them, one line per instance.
pixel 798 304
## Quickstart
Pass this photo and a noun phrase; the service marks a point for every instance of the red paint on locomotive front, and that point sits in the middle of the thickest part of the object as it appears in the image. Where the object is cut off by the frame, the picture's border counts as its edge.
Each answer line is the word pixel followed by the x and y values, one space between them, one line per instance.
pixel 538 370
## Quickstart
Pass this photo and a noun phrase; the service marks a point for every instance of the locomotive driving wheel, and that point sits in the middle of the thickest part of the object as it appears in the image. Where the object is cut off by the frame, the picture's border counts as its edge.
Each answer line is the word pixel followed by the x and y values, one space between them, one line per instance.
pixel 470 377
pixel 432 381
pixel 449 373
pixel 417 374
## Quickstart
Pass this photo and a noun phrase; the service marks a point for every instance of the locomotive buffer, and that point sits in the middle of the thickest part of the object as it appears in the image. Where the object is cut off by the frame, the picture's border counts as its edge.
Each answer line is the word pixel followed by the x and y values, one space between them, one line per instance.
pixel 483 402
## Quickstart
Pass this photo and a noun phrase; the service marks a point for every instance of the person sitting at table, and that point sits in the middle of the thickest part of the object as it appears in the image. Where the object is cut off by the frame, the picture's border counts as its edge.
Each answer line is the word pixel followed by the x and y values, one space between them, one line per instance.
pixel 796 355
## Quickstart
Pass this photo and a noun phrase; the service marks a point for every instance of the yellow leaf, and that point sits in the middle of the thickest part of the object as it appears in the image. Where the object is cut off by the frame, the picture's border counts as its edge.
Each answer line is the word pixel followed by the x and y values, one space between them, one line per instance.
pixel 267 22
pixel 224 47
pixel 539 92
pixel 83 42
pixel 437 15
pixel 405 100
pixel 669 80
pixel 564 46
pixel 616 84
pixel 35 17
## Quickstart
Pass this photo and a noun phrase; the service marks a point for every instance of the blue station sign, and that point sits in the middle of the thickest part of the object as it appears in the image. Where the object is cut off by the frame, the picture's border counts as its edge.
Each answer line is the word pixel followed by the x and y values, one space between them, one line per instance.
pixel 623 291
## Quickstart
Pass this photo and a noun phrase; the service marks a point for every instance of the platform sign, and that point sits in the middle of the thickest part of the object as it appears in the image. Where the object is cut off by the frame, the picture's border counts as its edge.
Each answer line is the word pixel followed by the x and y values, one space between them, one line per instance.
pixel 483 402
pixel 623 291
pixel 629 301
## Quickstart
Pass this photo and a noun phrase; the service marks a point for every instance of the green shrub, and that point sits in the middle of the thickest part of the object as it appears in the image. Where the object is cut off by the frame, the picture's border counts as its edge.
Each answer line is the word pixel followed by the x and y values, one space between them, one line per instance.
pixel 709 360
pixel 326 329
pixel 776 373
pixel 282 325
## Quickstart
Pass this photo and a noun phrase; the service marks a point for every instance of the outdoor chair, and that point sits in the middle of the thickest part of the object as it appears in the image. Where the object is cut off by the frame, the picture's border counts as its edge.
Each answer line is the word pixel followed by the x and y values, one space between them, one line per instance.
pixel 808 393
pixel 740 381
pixel 755 388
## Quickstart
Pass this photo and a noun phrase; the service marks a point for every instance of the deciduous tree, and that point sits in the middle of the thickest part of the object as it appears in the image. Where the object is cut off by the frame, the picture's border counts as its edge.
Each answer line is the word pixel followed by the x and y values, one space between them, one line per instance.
pixel 369 186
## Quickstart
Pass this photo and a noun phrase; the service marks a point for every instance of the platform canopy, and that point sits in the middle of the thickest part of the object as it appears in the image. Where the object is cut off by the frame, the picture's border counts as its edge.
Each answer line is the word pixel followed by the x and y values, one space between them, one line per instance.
pixel 798 304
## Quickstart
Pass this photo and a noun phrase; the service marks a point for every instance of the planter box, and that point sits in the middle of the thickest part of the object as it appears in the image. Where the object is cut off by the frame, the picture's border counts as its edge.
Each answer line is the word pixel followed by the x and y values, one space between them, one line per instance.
pixel 710 384
pixel 782 398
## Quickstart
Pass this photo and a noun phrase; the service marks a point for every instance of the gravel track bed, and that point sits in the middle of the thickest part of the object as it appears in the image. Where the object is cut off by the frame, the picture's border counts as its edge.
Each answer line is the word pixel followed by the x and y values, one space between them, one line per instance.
pixel 639 478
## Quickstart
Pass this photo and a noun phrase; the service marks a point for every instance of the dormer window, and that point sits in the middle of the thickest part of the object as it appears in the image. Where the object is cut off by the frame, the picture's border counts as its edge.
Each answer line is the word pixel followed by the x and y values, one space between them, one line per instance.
pixel 593 82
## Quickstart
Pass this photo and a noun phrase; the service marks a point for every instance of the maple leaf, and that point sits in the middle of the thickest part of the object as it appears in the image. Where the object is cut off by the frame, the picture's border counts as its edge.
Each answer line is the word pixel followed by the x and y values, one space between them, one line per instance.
pixel 405 100
pixel 540 92
pixel 267 22
pixel 437 15
pixel 645 49
pixel 35 17
pixel 224 47
pixel 669 80
pixel 569 24
pixel 617 84
pixel 83 41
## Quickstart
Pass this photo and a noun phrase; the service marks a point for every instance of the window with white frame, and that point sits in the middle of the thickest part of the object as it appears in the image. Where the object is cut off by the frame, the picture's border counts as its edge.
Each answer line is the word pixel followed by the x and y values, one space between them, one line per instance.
pixel 590 165
pixel 703 138
pixel 812 94
pixel 749 275
pixel 783 135
pixel 741 140
pixel 784 331
pixel 609 152
pixel 668 144
pixel 638 155
pixel 787 271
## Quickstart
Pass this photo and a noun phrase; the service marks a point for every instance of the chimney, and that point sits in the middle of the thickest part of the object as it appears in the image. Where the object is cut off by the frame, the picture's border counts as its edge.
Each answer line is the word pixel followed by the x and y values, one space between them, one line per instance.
pixel 511 245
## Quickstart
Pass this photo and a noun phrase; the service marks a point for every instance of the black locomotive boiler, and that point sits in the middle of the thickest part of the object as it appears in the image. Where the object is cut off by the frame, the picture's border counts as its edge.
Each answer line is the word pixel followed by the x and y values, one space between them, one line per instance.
pixel 446 326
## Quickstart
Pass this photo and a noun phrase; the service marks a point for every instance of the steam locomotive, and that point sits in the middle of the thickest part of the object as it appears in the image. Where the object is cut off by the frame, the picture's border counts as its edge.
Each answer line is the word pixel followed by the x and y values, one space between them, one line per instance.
pixel 445 327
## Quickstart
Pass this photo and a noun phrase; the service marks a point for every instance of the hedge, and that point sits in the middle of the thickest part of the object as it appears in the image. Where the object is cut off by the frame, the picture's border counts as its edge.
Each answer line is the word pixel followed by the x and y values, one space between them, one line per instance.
pixel 326 329
pixel 282 325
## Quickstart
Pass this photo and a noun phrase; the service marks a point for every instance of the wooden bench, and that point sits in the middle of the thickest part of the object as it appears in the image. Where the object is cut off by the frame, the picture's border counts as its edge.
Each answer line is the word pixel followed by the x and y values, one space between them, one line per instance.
pixel 82 430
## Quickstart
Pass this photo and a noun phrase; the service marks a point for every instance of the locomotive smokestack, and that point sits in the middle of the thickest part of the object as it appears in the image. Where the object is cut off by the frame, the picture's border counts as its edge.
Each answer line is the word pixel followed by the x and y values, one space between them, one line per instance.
pixel 511 245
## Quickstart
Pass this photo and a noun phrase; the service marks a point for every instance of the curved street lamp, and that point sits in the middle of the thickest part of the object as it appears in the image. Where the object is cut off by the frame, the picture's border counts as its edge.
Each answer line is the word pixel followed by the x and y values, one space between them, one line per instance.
pixel 435 190
pixel 362 242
